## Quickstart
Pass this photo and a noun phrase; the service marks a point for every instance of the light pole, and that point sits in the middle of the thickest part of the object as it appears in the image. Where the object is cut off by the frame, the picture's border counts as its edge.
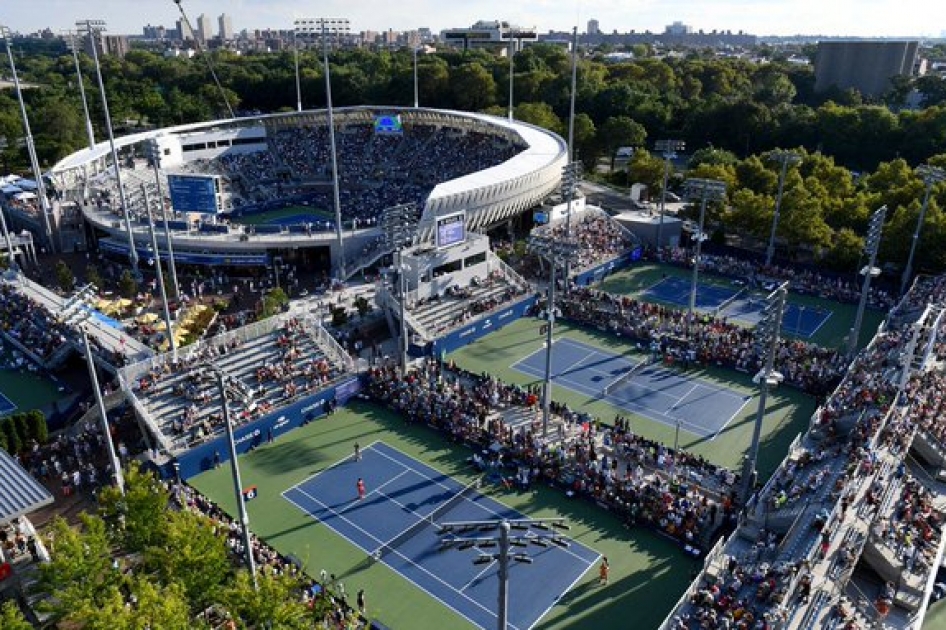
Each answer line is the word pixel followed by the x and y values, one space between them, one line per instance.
pixel 571 175
pixel 295 54
pixel 235 471
pixel 398 227
pixel 704 190
pixel 172 344
pixel 572 171
pixel 30 145
pixel 556 251
pixel 74 47
pixel 784 158
pixel 6 237
pixel 667 148
pixel 156 163
pixel 546 536
pixel 76 312
pixel 766 338
pixel 93 28
pixel 931 176
pixel 416 90
pixel 871 245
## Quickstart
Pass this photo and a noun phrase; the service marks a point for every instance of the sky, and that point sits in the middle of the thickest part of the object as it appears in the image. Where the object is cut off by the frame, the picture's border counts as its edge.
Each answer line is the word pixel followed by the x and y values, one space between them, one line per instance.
pixel 854 18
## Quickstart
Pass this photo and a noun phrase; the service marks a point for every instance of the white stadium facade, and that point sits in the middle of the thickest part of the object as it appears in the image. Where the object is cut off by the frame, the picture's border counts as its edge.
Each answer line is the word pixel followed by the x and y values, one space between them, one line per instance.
pixel 490 168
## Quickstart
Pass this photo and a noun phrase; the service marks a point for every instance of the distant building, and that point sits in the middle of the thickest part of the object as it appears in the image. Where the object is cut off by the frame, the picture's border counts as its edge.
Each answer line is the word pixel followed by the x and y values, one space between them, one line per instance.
pixel 863 65
pixel 678 28
pixel 491 35
pixel 594 28
pixel 205 29
pixel 116 45
pixel 184 31
pixel 225 24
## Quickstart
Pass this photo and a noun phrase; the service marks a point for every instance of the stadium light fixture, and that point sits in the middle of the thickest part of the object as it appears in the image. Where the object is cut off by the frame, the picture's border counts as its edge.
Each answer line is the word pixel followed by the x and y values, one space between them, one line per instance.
pixel 785 158
pixel 399 228
pixel 871 245
pixel 70 37
pixel 30 145
pixel 222 378
pixel 93 30
pixel 154 153
pixel 931 176
pixel 667 148
pixel 76 312
pixel 11 251
pixel 502 539
pixel 704 190
pixel 159 277
pixel 766 338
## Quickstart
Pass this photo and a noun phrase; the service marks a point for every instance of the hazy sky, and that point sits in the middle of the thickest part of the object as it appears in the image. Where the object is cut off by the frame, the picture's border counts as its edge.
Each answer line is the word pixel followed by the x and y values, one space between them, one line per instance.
pixel 760 17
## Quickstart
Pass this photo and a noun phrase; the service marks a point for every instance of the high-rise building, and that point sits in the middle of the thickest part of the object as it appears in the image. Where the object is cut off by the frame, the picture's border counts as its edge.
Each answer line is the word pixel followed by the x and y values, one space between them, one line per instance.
pixel 184 31
pixel 678 28
pixel 863 65
pixel 226 27
pixel 491 35
pixel 594 28
pixel 205 29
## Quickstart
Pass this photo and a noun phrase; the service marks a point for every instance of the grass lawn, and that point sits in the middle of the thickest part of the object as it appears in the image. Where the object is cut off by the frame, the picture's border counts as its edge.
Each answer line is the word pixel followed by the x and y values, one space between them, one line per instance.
pixel 637 279
pixel 648 572
pixel 788 410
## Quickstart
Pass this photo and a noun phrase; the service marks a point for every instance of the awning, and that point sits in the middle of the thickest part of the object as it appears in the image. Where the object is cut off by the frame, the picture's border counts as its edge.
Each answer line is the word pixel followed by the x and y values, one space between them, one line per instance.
pixel 20 493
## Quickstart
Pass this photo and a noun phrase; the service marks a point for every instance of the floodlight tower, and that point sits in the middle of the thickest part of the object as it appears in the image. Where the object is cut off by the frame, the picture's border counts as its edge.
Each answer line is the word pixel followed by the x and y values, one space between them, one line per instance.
pixel 93 29
pixel 172 344
pixel 931 176
pixel 785 158
pixel 295 54
pixel 30 145
pixel 416 87
pixel 76 312
pixel 766 339
pixel 667 148
pixel 222 378
pixel 74 47
pixel 8 240
pixel 539 532
pixel 154 152
pixel 399 227
pixel 558 251
pixel 871 245
pixel 704 190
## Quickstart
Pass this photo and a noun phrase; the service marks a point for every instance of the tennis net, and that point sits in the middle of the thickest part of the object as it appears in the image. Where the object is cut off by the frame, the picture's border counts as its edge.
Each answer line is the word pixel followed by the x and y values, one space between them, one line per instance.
pixel 431 520
pixel 624 378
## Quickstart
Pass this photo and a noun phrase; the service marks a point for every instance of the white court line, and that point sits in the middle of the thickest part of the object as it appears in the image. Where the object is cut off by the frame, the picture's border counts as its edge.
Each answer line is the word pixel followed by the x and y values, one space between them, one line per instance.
pixel 559 598
pixel 408 560
pixel 484 508
pixel 731 418
pixel 338 463
pixel 375 490
pixel 823 322
pixel 479 575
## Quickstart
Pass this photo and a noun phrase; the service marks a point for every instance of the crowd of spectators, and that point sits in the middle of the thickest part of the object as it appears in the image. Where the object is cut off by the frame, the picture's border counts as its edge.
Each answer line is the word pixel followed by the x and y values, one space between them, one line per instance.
pixel 914 528
pixel 711 340
pixel 30 323
pixel 462 405
pixel 800 279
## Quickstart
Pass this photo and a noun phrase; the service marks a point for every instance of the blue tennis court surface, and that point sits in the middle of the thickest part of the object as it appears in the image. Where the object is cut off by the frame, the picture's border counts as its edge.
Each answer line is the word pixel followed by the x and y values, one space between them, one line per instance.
pixel 737 303
pixel 402 493
pixel 653 391
pixel 6 405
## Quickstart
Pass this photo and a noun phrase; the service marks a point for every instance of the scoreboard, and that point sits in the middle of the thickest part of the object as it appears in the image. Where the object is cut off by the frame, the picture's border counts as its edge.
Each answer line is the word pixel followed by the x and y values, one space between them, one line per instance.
pixel 451 230
pixel 195 193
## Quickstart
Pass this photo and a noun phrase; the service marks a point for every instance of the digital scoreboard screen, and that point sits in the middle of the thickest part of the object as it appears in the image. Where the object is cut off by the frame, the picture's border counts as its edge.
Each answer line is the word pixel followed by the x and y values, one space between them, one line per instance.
pixel 195 193
pixel 451 230
pixel 388 123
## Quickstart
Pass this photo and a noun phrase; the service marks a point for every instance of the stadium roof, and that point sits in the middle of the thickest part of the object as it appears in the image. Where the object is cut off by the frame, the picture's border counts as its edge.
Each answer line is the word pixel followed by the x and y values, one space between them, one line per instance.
pixel 19 493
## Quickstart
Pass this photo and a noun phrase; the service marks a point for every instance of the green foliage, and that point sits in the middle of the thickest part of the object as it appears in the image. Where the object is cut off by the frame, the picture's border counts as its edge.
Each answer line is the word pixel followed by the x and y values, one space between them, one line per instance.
pixel 127 285
pixel 94 276
pixel 11 618
pixel 274 302
pixel 14 443
pixel 273 604
pixel 64 276
pixel 139 519
pixel 362 305
pixel 36 426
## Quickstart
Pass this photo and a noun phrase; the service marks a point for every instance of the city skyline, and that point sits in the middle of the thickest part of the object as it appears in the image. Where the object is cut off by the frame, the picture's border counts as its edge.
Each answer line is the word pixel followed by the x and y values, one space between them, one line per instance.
pixel 853 18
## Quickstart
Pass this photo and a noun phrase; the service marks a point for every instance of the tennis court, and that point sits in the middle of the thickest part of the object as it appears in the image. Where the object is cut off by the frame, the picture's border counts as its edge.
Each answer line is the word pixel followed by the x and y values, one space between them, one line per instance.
pixel 737 303
pixel 653 391
pixel 6 405
pixel 396 524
